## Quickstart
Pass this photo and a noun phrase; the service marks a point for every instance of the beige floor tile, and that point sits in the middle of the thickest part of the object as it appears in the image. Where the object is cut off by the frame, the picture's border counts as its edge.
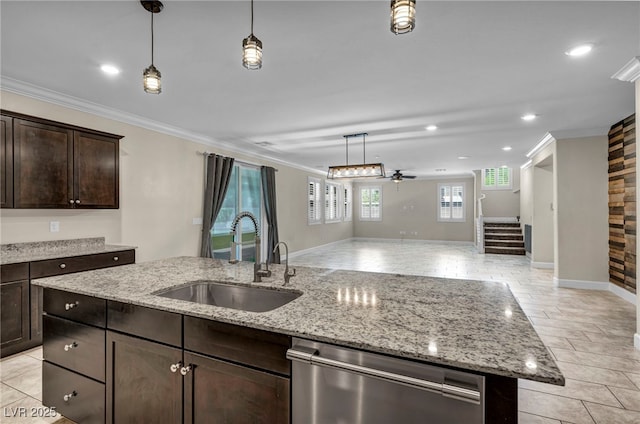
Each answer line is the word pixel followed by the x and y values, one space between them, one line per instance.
pixel 605 348
pixel 15 365
pixel 613 340
pixel 36 352
pixel 595 375
pixel 608 415
pixel 9 395
pixel 567 324
pixel 29 382
pixel 524 418
pixel 555 341
pixel 635 378
pixel 630 399
pixel 560 332
pixel 575 389
pixel 597 360
pixel 551 406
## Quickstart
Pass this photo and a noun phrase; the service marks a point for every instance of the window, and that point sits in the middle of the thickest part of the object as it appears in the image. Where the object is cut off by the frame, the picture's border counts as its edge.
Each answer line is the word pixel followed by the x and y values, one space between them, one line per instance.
pixel 332 209
pixel 370 203
pixel 347 200
pixel 496 178
pixel 314 196
pixel 244 194
pixel 451 202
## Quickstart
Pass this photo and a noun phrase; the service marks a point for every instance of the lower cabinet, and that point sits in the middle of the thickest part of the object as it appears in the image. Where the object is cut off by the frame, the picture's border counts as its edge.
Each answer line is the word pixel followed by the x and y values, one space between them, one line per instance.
pixel 141 385
pixel 15 325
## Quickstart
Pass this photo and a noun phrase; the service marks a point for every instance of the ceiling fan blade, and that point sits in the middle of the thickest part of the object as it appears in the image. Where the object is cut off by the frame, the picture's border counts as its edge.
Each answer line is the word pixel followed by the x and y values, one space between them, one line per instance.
pixel 409 176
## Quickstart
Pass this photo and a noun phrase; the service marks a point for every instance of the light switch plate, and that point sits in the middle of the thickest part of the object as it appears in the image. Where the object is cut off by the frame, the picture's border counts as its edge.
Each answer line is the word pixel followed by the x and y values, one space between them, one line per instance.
pixel 54 226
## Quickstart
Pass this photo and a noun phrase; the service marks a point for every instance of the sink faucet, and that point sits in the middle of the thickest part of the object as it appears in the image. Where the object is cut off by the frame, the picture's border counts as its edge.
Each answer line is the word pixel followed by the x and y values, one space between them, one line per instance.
pixel 287 273
pixel 258 272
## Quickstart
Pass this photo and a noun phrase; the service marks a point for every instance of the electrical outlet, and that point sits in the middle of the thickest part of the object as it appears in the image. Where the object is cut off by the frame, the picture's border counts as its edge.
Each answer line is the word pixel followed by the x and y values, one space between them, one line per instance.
pixel 54 226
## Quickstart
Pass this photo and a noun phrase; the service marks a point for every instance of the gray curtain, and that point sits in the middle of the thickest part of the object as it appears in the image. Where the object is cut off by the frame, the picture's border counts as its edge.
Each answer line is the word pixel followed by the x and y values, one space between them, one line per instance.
pixel 268 177
pixel 218 173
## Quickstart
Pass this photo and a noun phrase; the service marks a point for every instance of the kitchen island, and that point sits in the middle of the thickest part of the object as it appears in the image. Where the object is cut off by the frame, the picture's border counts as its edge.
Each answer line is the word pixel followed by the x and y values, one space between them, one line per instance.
pixel 473 326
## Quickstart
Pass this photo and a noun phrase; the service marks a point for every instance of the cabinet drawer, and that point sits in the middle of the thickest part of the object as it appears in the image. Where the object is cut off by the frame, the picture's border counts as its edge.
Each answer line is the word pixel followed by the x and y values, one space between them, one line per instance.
pixel 75 346
pixel 257 348
pixel 62 266
pixel 76 307
pixel 85 398
pixel 14 272
pixel 153 324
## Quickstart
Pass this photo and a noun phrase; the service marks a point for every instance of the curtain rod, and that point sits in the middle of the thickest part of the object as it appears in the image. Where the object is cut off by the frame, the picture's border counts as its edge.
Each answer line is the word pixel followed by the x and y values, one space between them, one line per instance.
pixel 205 153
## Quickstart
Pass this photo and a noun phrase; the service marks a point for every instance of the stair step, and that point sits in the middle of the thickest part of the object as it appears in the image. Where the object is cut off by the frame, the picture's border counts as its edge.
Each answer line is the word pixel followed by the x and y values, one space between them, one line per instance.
pixel 502 224
pixel 494 230
pixel 503 243
pixel 503 232
pixel 499 236
pixel 505 250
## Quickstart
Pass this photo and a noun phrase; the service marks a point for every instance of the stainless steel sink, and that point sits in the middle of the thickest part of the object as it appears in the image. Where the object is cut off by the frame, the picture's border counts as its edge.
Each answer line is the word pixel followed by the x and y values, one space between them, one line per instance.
pixel 244 298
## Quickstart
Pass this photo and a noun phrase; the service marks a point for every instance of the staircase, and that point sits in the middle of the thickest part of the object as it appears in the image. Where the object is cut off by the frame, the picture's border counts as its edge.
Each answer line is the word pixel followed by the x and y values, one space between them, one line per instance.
pixel 503 238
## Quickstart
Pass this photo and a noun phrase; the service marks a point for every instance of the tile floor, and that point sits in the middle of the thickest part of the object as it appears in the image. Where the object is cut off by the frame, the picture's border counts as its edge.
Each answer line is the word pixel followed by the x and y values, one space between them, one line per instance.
pixel 590 333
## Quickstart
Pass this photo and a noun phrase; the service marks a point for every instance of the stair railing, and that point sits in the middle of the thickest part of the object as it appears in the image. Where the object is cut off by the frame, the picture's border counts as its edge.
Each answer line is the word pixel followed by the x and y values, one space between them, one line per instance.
pixel 480 233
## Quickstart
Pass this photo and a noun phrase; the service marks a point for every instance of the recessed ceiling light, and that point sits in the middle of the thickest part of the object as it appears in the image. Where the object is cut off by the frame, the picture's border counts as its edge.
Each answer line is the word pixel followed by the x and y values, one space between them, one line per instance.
pixel 440 169
pixel 580 50
pixel 431 128
pixel 110 69
pixel 506 148
pixel 463 157
pixel 528 117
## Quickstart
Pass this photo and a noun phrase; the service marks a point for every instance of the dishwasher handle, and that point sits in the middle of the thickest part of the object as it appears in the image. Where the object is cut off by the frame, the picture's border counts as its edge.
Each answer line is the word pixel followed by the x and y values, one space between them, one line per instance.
pixel 311 356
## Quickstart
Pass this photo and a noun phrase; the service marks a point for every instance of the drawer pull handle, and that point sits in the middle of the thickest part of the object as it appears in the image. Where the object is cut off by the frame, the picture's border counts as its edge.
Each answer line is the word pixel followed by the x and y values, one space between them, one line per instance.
pixel 63 266
pixel 115 258
pixel 77 202
pixel 185 370
pixel 175 367
pixel 68 397
pixel 68 347
pixel 68 306
pixel 71 201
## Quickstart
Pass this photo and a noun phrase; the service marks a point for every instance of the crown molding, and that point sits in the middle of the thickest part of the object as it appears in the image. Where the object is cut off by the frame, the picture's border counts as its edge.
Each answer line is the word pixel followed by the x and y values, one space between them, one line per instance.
pixel 629 72
pixel 50 96
pixel 546 140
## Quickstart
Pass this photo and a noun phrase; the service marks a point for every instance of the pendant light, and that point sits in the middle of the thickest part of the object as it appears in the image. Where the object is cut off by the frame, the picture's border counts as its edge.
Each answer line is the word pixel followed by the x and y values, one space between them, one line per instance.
pixel 356 171
pixel 151 76
pixel 403 16
pixel 252 49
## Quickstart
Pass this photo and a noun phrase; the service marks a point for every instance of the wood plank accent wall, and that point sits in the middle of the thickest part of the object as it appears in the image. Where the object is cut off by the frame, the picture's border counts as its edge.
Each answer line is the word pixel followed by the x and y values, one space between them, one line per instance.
pixel 622 204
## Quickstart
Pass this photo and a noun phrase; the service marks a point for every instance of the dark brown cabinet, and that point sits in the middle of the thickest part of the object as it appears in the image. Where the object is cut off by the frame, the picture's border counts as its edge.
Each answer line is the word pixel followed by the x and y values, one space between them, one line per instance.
pixel 6 162
pixel 22 303
pixel 59 166
pixel 14 301
pixel 141 385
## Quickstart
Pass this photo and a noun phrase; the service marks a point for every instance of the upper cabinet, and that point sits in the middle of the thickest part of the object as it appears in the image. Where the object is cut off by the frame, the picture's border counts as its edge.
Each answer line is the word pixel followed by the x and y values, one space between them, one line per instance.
pixel 61 166
pixel 6 162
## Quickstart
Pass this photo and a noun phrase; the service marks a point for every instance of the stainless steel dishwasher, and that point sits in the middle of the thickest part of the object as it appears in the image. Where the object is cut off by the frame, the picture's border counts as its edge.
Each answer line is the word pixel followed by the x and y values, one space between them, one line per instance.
pixel 336 385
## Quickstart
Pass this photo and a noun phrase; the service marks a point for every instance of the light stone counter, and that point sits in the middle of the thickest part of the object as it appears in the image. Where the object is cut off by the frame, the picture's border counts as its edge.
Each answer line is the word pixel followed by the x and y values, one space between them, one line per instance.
pixel 472 325
pixel 54 249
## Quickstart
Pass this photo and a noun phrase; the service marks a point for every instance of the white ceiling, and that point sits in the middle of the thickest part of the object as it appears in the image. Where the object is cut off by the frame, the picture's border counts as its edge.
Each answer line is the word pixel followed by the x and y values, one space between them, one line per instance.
pixel 333 68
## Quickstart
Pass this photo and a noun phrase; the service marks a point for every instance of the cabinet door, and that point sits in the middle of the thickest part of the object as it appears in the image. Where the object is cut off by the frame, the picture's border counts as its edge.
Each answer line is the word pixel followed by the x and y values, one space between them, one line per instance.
pixel 221 392
pixel 6 162
pixel 96 182
pixel 141 388
pixel 43 165
pixel 14 314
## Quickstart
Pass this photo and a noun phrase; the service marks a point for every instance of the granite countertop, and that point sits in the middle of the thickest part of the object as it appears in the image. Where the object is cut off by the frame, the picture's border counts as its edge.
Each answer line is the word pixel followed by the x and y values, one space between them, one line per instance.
pixel 472 325
pixel 42 250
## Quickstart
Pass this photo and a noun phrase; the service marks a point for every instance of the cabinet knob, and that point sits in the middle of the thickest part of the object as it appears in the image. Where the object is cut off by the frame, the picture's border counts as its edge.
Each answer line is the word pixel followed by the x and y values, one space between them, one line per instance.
pixel 115 258
pixel 68 347
pixel 63 266
pixel 68 306
pixel 175 367
pixel 185 370
pixel 71 201
pixel 77 201
pixel 68 397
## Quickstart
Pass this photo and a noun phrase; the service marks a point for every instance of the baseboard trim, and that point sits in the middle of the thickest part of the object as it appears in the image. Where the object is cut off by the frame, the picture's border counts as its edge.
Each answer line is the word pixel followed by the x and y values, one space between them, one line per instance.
pixel 454 242
pixel 542 265
pixel 636 341
pixel 596 285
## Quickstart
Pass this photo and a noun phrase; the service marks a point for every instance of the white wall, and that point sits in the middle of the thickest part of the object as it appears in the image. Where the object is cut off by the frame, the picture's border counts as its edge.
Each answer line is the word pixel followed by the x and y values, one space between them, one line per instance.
pixel 526 195
pixel 411 207
pixel 161 189
pixel 500 203
pixel 582 250
pixel 542 228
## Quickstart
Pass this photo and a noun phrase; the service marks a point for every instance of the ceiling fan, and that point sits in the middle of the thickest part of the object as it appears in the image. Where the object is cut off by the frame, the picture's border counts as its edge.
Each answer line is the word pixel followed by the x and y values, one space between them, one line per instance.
pixel 399 176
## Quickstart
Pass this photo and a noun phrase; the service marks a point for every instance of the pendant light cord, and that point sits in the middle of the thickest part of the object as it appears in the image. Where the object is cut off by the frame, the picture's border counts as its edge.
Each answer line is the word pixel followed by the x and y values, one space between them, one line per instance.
pixel 251 17
pixel 152 36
